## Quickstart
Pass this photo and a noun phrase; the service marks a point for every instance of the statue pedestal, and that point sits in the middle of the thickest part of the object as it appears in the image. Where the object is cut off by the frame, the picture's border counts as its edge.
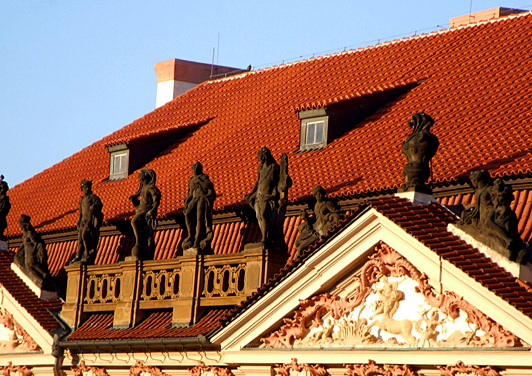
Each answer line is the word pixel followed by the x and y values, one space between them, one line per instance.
pixel 3 245
pixel 37 290
pixel 523 272
pixel 191 252
pixel 417 198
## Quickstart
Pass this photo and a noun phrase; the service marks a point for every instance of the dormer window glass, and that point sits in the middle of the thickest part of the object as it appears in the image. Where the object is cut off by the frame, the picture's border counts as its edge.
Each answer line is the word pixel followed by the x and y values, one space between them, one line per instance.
pixel 314 124
pixel 315 132
pixel 119 162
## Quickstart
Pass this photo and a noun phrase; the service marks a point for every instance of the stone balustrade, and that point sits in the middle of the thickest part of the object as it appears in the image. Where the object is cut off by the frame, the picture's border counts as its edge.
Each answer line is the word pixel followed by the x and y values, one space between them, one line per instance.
pixel 186 285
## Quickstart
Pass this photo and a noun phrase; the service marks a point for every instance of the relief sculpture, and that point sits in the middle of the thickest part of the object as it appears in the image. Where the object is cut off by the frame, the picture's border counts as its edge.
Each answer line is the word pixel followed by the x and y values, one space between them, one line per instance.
pixel 388 304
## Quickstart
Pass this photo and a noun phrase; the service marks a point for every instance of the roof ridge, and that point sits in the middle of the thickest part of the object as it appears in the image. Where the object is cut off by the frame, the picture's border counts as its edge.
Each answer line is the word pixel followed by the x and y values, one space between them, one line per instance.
pixel 374 46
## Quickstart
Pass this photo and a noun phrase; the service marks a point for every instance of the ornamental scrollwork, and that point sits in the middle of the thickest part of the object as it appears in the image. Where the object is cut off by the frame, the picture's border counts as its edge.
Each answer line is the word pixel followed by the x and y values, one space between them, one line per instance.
pixel 140 369
pixel 202 370
pixel 83 370
pixel 294 367
pixel 374 369
pixel 11 370
pixel 389 303
pixel 19 340
pixel 461 369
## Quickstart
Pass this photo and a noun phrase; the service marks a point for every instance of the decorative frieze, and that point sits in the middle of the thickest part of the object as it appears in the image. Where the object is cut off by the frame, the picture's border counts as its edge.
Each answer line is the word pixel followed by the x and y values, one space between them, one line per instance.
pixel 460 369
pixel 83 370
pixel 11 370
pixel 202 370
pixel 296 369
pixel 389 304
pixel 374 369
pixel 139 369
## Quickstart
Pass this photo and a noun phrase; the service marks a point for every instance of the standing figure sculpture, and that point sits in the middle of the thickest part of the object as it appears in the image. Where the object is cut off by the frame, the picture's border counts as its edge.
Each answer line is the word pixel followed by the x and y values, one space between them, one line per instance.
pixel 31 256
pixel 89 222
pixel 269 198
pixel 5 207
pixel 418 148
pixel 198 210
pixel 146 201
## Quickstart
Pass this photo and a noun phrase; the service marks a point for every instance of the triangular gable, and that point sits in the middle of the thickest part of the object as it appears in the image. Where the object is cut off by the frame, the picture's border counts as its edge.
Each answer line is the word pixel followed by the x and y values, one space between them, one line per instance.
pixel 471 315
pixel 19 331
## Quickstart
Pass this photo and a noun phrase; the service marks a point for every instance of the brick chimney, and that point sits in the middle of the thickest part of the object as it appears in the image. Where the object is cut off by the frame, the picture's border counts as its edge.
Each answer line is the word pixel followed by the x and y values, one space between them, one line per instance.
pixel 176 76
pixel 483 15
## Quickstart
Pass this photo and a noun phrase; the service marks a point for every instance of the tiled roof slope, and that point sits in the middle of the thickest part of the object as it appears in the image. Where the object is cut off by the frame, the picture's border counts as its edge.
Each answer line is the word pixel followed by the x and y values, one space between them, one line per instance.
pixel 36 307
pixel 475 81
pixel 99 326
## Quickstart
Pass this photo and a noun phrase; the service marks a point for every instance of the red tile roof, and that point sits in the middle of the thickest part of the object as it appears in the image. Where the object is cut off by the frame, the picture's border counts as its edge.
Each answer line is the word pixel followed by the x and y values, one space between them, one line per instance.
pixel 474 81
pixel 99 326
pixel 36 307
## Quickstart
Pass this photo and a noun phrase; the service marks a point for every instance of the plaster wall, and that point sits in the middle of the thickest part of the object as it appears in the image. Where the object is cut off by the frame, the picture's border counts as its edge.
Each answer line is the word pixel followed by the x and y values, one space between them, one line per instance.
pixel 168 90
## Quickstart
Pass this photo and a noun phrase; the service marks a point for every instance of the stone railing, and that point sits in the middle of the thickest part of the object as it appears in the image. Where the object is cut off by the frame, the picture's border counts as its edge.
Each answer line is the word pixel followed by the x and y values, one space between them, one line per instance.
pixel 186 285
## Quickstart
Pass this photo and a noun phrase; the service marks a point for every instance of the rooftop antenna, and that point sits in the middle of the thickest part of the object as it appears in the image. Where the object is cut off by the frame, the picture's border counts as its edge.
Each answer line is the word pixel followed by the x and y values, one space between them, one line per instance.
pixel 218 50
pixel 470 8
pixel 212 62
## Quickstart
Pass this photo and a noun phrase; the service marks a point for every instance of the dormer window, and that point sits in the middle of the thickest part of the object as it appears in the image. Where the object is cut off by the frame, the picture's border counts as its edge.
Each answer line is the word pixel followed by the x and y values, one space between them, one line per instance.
pixel 119 162
pixel 314 128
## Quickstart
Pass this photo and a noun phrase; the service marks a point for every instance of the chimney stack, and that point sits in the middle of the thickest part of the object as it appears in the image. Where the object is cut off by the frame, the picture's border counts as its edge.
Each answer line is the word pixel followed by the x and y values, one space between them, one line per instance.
pixel 175 76
pixel 483 15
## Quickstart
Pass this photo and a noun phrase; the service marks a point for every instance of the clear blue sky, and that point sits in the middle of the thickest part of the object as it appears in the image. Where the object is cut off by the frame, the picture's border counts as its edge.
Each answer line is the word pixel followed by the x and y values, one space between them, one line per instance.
pixel 73 71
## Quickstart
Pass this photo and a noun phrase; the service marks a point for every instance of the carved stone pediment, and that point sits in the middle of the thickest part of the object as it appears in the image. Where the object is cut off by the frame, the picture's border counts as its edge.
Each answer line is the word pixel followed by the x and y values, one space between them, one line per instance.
pixel 13 338
pixel 389 303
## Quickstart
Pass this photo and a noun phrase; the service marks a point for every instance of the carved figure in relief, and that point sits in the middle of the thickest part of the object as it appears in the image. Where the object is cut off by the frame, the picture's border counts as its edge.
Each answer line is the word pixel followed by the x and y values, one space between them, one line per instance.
pixel 475 215
pixel 418 148
pixel 89 223
pixel 389 299
pixel 307 234
pixel 269 197
pixel 5 207
pixel 326 216
pixel 146 201
pixel 429 334
pixel 31 256
pixel 491 220
pixel 326 211
pixel 198 210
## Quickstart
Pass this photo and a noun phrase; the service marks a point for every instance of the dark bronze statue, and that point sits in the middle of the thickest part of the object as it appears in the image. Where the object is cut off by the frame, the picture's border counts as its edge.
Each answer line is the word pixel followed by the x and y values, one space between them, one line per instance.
pixel 491 220
pixel 89 222
pixel 31 256
pixel 198 210
pixel 419 148
pixel 269 198
pixel 146 201
pixel 5 206
pixel 326 216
